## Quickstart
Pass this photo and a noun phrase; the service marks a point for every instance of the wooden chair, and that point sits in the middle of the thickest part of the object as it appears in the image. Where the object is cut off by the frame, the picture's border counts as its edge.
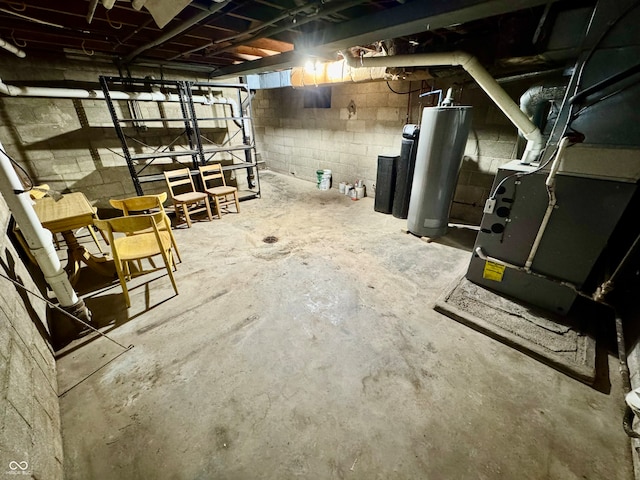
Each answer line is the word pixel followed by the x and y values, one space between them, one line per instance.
pixel 147 204
pixel 189 201
pixel 137 246
pixel 222 194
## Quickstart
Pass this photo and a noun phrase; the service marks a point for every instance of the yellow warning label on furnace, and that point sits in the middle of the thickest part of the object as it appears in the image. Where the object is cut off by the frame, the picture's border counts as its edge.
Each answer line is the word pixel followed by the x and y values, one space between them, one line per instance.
pixel 493 271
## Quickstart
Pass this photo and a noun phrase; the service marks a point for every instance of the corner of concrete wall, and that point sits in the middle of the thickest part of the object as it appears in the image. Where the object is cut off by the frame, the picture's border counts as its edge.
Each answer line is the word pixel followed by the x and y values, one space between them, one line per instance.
pixel 30 438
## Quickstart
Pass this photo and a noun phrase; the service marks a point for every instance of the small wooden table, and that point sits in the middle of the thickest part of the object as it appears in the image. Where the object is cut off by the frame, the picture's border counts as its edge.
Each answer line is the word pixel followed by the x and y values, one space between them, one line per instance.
pixel 71 212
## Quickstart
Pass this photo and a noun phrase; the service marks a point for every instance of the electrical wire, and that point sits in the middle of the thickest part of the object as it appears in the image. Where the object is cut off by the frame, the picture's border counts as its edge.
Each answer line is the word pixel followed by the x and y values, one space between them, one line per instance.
pixel 22 170
pixel 403 93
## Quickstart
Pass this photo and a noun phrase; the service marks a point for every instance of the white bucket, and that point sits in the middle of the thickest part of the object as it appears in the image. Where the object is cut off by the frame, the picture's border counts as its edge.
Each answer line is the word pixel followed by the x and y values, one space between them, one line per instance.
pixel 325 183
pixel 342 186
pixel 359 192
pixel 347 188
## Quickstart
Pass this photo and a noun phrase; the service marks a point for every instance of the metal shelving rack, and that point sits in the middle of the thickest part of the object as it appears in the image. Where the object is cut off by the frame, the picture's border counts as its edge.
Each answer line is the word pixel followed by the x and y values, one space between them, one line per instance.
pixel 196 148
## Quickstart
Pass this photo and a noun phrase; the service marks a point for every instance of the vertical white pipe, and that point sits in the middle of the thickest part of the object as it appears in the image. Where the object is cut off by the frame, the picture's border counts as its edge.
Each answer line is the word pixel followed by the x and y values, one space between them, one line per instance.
pixel 551 186
pixel 38 239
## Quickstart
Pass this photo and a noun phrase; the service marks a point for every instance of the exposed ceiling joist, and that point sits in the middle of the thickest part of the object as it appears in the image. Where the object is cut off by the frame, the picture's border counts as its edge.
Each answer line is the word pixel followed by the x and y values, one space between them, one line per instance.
pixel 399 21
pixel 408 19
pixel 225 41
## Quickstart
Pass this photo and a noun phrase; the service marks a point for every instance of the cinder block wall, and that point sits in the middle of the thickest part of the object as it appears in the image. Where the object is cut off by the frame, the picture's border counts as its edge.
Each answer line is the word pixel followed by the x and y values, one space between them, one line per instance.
pixel 492 143
pixel 298 141
pixel 71 145
pixel 30 440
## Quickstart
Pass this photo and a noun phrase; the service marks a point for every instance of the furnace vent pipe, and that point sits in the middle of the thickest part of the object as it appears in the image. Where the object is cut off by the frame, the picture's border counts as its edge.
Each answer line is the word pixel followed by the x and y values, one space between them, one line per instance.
pixel 535 140
pixel 533 99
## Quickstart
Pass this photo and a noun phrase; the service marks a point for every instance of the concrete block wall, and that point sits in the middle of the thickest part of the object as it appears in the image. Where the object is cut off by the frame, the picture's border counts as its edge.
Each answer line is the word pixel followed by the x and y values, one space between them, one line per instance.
pixel 71 145
pixel 493 142
pixel 30 440
pixel 298 141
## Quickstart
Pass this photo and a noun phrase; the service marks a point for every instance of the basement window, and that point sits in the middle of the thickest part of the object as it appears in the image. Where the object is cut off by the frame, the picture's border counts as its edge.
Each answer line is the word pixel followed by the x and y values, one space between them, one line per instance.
pixel 319 97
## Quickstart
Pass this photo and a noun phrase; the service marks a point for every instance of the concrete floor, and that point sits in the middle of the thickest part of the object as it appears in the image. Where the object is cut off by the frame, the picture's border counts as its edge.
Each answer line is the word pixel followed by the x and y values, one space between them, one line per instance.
pixel 319 357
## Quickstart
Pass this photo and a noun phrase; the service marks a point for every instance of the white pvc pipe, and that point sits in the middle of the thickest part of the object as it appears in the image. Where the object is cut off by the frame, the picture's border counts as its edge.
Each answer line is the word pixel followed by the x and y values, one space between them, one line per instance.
pixel 53 92
pixel 480 253
pixel 12 48
pixel 92 10
pixel 235 109
pixel 39 240
pixel 551 188
pixel 487 258
pixel 503 101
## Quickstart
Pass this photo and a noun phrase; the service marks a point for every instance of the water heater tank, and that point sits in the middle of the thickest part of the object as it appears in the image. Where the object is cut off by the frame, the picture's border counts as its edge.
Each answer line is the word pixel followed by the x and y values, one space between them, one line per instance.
pixel 443 136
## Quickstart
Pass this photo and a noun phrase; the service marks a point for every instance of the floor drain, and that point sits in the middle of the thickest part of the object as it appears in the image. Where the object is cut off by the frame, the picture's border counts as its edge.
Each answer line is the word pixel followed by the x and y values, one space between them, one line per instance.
pixel 270 239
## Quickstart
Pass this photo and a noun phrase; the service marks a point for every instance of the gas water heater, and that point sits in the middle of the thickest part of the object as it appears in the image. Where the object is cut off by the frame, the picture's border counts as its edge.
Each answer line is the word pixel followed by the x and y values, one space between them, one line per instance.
pixel 443 137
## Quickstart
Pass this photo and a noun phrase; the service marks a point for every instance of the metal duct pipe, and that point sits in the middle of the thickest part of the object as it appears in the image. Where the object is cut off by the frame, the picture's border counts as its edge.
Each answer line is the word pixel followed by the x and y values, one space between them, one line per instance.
pixel 178 30
pixel 12 48
pixel 535 97
pixel 39 240
pixel 535 140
